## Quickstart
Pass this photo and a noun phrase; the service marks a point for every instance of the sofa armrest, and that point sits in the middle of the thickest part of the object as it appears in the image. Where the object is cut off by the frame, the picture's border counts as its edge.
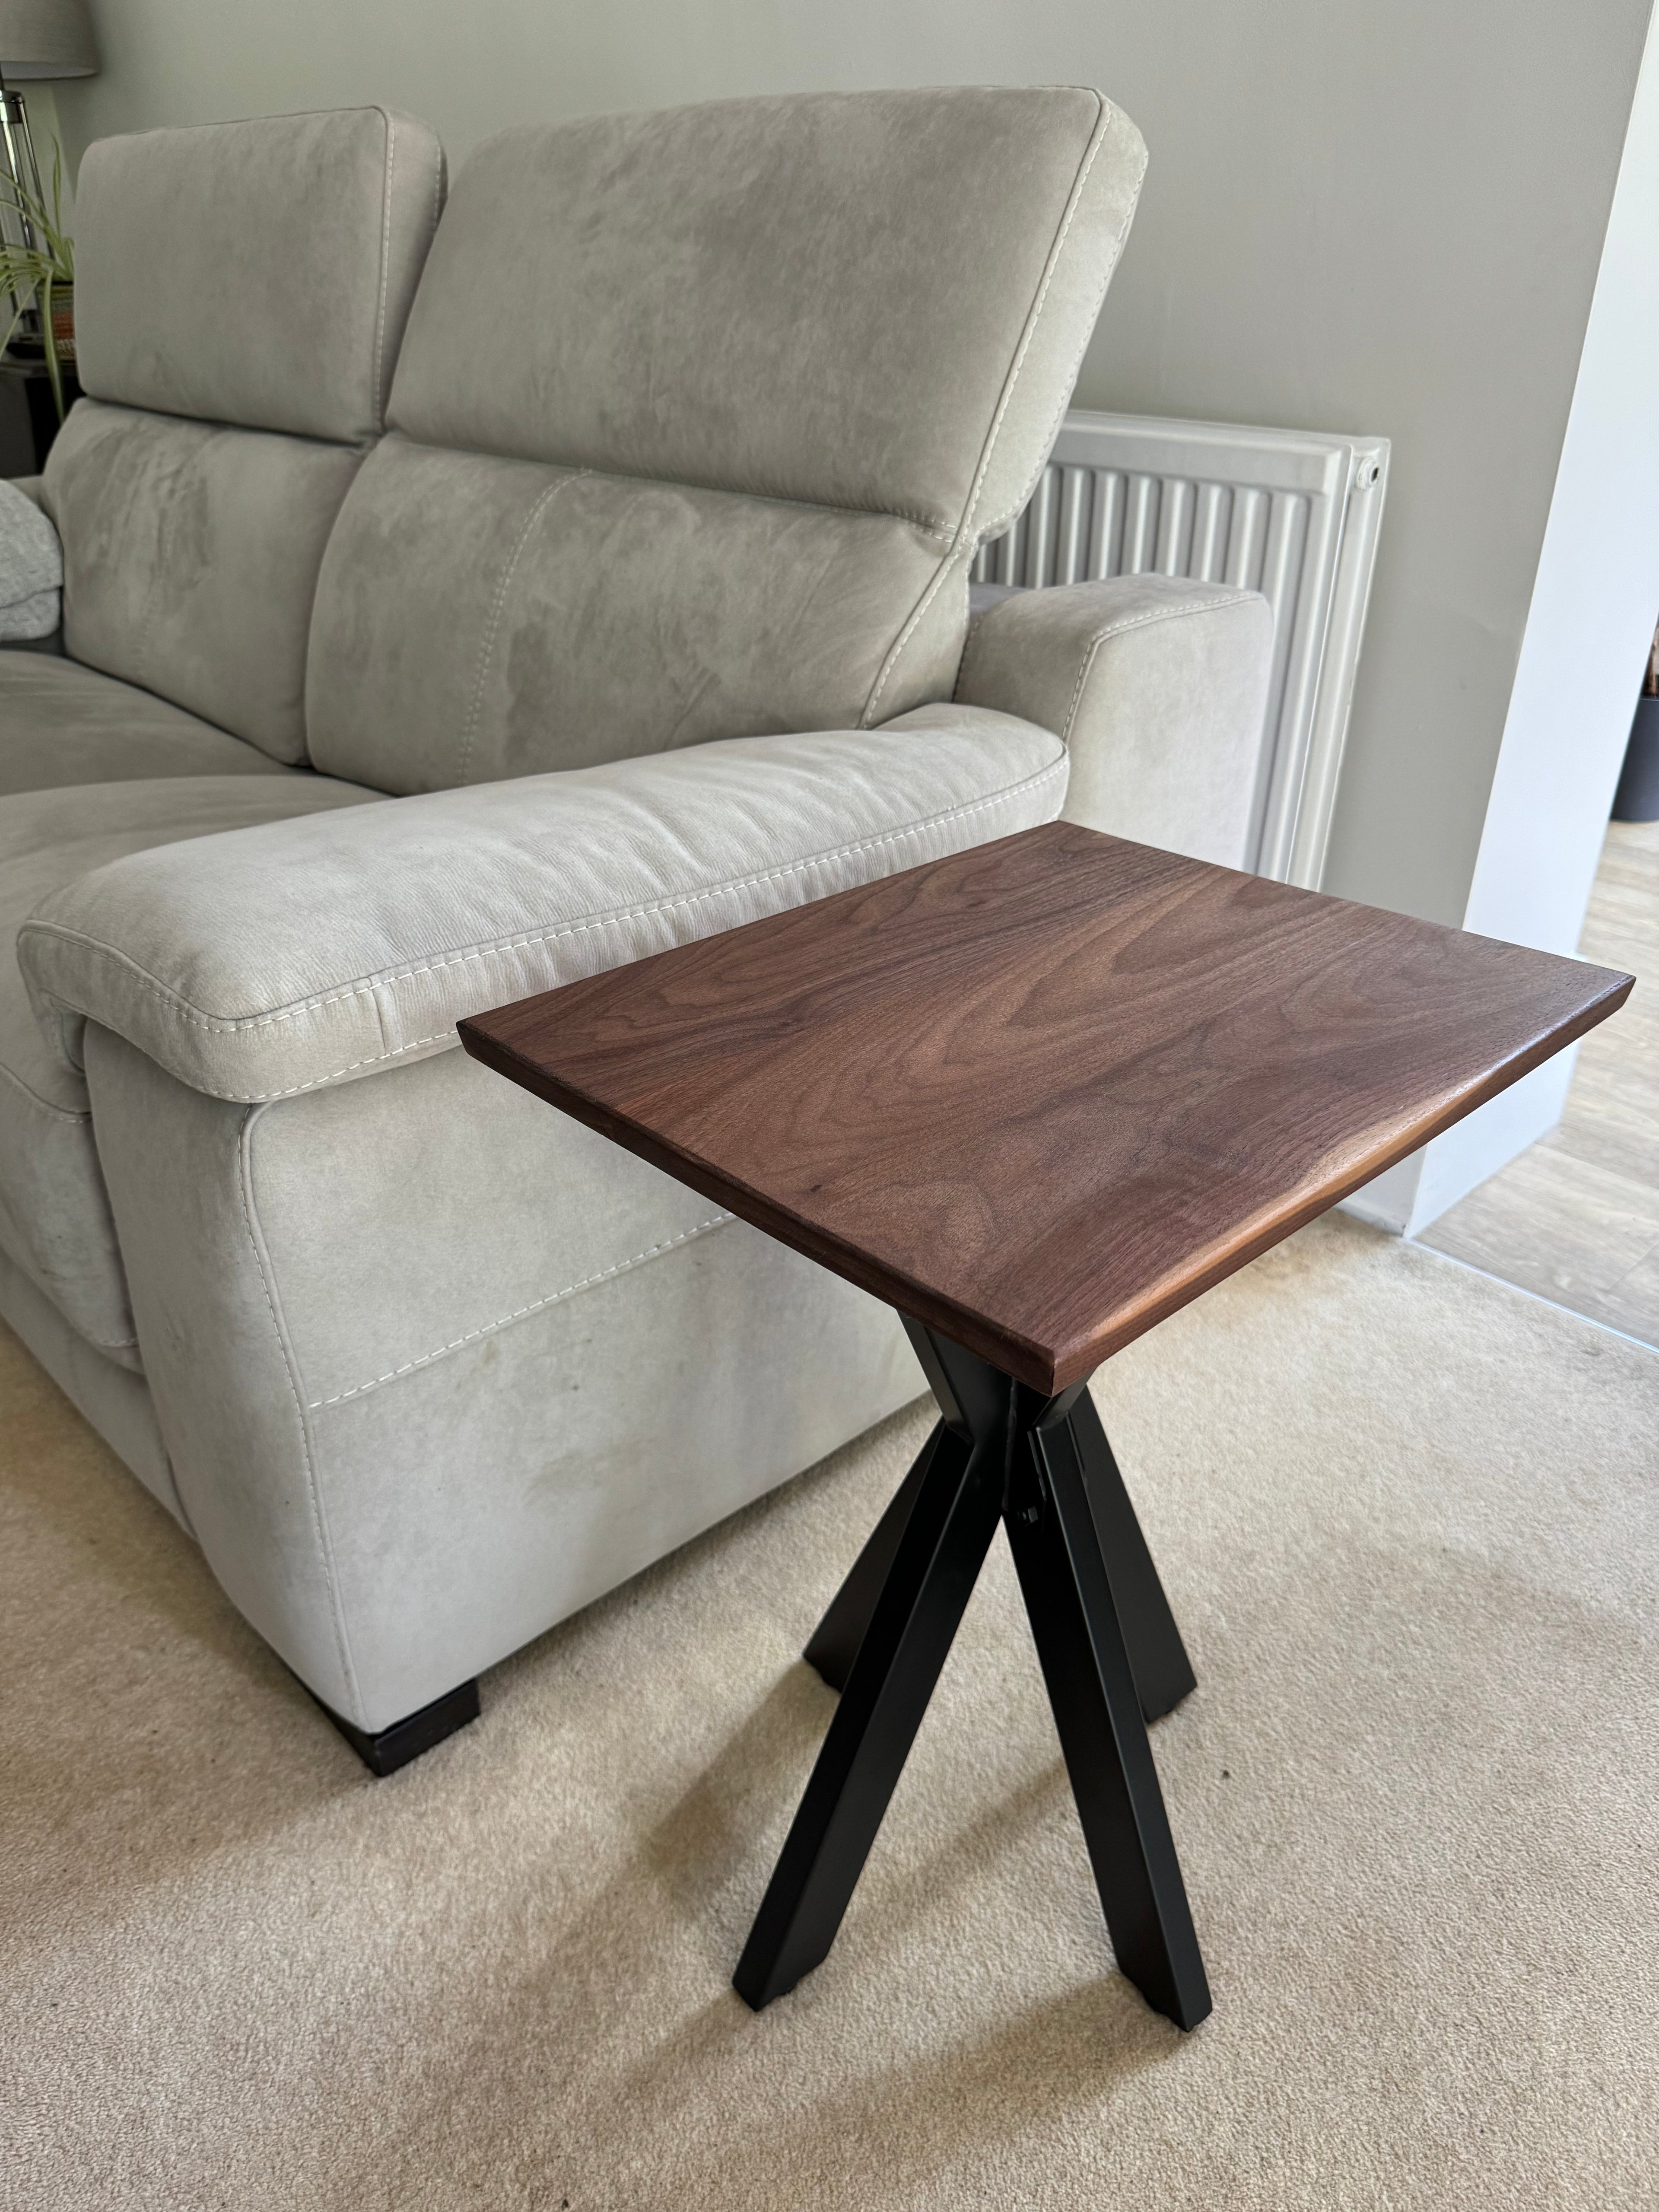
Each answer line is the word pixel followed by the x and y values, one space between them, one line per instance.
pixel 1158 687
pixel 259 963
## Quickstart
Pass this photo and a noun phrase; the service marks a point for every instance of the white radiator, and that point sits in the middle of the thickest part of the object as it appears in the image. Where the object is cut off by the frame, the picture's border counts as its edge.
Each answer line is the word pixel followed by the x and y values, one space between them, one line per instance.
pixel 1290 513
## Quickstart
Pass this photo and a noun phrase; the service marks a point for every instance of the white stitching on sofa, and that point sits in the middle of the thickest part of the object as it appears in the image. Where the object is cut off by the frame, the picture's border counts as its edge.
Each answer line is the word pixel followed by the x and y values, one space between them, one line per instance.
pixel 964 529
pixel 244 1150
pixel 486 648
pixel 376 1060
pixel 587 1283
pixel 234 1024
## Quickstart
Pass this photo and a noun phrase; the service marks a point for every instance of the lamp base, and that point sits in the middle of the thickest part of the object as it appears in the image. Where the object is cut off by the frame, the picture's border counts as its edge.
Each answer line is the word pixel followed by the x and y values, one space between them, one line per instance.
pixel 21 171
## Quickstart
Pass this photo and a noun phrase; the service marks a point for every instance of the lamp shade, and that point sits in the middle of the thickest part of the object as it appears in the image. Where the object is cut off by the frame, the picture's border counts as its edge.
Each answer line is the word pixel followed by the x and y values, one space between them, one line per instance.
pixel 46 38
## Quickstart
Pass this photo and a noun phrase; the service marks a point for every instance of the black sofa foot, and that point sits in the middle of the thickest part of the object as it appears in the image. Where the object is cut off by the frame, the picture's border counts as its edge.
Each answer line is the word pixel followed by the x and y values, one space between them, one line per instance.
pixel 392 1747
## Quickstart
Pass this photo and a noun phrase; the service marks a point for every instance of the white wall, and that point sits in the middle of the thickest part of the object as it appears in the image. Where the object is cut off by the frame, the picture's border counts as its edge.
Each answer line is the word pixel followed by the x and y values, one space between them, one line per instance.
pixel 1383 219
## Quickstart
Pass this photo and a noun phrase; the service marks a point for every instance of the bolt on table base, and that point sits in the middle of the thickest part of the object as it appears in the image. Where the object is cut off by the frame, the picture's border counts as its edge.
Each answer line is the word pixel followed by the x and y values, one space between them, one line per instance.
pixel 1110 1652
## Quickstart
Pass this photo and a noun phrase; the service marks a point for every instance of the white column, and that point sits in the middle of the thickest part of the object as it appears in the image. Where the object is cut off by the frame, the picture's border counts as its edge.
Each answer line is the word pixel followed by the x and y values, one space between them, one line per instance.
pixel 1589 625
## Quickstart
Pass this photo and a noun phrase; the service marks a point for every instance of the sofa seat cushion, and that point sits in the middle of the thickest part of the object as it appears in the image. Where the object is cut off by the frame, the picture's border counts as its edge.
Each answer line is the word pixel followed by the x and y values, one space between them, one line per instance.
pixel 62 724
pixel 55 1220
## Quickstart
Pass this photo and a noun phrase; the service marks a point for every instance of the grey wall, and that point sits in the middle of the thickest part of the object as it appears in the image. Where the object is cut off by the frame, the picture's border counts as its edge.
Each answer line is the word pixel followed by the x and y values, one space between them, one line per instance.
pixel 1383 219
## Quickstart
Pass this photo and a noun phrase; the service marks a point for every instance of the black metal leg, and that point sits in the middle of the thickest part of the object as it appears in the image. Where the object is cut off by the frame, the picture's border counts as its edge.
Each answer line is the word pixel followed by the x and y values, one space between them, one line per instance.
pixel 1111 1656
pixel 1086 1664
pixel 835 1640
pixel 1163 1673
pixel 935 1566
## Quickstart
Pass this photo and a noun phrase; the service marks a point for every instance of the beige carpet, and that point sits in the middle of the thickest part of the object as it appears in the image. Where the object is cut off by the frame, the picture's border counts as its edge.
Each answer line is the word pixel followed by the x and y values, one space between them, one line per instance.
pixel 1410 1521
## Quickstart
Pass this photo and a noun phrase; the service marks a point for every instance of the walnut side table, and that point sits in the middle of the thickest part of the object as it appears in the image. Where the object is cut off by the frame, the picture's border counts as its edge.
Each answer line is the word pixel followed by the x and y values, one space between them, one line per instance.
pixel 1036 1096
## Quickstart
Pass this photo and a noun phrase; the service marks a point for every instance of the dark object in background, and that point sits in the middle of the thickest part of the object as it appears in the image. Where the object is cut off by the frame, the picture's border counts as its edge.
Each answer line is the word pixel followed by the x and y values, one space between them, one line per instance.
pixel 1636 799
pixel 42 412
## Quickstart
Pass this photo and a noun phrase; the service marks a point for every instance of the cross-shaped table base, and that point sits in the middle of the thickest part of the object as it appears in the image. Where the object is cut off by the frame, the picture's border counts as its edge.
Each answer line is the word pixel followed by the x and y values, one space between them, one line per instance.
pixel 1111 1654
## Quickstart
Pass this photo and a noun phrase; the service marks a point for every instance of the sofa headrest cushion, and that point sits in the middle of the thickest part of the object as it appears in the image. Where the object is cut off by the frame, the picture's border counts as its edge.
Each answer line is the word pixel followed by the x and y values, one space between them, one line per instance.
pixel 257 273
pixel 873 301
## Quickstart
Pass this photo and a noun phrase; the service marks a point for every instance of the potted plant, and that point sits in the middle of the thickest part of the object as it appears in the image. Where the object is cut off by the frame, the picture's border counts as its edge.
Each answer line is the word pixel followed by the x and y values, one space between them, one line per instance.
pixel 38 271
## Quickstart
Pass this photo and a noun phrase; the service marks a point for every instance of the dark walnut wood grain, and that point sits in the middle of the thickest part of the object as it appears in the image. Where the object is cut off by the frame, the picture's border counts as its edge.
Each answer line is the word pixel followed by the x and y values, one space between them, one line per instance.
pixel 1041 1094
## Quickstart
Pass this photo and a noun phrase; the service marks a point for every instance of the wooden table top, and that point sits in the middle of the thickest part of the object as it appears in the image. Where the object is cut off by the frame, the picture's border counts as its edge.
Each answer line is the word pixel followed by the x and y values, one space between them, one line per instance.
pixel 1041 1094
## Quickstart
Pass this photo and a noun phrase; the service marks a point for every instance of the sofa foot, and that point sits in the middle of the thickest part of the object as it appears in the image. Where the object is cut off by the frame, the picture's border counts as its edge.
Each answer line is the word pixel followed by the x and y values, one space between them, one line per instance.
pixel 389 1748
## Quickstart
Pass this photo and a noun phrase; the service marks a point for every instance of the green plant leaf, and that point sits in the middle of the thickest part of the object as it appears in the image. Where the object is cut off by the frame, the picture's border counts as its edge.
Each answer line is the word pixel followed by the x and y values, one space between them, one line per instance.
pixel 31 269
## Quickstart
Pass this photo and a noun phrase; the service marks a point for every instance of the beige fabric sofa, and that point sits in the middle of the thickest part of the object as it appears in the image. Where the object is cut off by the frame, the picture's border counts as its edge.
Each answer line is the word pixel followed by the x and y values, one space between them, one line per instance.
pixel 455 604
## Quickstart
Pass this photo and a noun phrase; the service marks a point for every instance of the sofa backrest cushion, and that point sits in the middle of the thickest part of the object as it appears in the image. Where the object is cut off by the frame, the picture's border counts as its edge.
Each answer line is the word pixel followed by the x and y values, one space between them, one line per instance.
pixel 191 553
pixel 698 419
pixel 257 273
pixel 241 293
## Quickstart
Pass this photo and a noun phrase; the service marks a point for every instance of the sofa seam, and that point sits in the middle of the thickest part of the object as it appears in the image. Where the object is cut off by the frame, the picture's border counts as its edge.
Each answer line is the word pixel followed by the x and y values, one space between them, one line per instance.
pixel 487 646
pixel 964 528
pixel 990 529
pixel 1097 140
pixel 445 1036
pixel 1152 616
pixel 942 530
pixel 378 397
pixel 960 547
pixel 97 1343
pixel 45 1105
pixel 437 195
pixel 320 1518
pixel 238 123
pixel 146 647
pixel 83 1117
pixel 238 1025
pixel 536 1306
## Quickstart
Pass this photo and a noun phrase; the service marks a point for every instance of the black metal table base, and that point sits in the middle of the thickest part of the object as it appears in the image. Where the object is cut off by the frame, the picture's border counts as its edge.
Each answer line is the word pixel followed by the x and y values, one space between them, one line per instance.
pixel 1110 1652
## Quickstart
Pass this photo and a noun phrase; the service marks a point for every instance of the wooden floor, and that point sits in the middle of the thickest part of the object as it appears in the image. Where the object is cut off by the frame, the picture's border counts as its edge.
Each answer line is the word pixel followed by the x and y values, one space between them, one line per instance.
pixel 1576 1218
